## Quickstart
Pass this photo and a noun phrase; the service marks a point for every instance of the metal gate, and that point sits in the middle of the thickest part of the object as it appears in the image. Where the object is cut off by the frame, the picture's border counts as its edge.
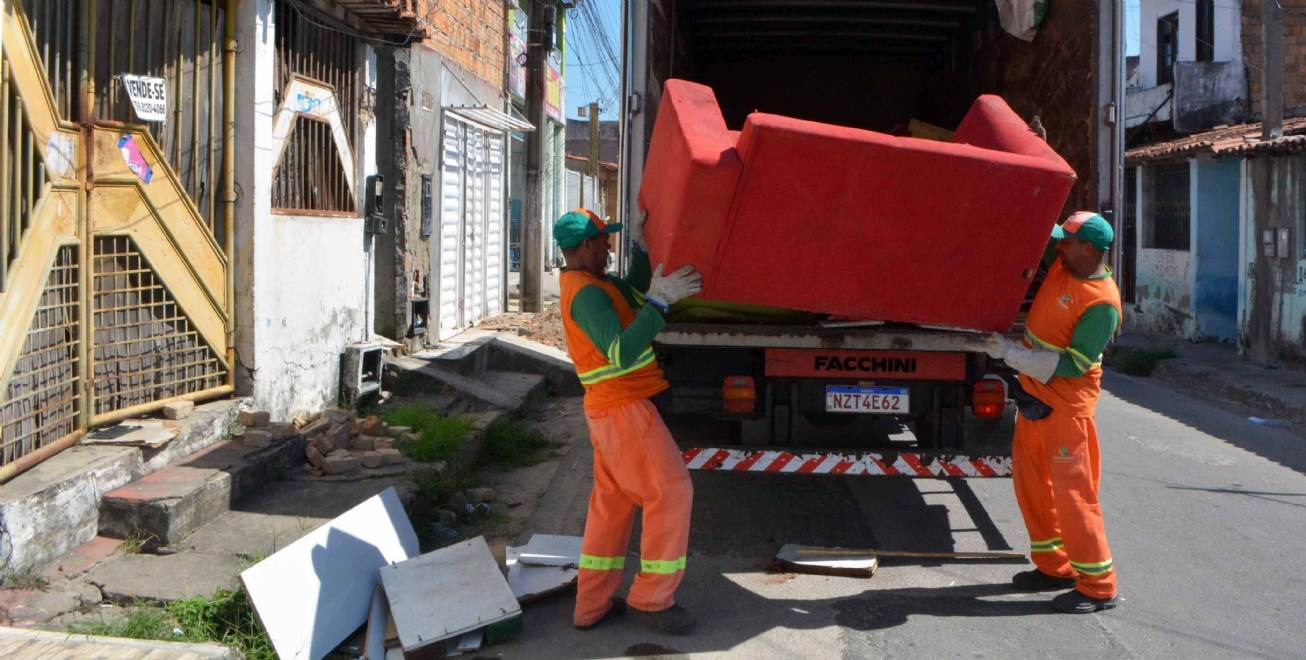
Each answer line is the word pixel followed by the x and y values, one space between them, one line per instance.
pixel 115 293
pixel 471 247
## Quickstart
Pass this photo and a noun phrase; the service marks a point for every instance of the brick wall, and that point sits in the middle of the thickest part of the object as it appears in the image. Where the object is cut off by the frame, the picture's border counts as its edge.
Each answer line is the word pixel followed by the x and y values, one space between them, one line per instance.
pixel 469 32
pixel 1294 52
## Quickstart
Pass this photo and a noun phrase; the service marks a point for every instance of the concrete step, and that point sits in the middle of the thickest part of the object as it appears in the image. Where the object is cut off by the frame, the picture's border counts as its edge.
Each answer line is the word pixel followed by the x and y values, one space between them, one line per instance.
pixel 466 353
pixel 53 508
pixel 502 390
pixel 165 507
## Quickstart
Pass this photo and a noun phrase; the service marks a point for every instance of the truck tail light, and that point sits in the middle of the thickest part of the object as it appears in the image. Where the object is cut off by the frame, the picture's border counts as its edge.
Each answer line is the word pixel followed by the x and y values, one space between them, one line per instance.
pixel 739 395
pixel 989 398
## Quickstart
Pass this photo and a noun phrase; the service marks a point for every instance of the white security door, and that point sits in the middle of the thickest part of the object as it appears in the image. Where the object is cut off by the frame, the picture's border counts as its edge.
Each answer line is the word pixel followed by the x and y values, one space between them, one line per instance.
pixel 473 300
pixel 451 215
pixel 472 226
pixel 495 227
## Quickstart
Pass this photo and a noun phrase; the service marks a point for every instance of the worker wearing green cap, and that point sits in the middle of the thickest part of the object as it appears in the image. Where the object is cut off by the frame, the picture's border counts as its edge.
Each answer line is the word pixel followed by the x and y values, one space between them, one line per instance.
pixel 1056 464
pixel 610 324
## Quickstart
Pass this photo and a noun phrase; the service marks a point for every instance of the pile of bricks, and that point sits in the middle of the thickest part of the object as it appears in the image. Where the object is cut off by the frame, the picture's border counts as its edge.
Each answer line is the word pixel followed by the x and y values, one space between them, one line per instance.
pixel 339 442
pixel 261 431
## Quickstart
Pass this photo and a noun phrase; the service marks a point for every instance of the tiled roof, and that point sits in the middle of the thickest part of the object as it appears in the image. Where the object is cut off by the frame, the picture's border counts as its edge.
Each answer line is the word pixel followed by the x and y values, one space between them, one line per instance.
pixel 1240 140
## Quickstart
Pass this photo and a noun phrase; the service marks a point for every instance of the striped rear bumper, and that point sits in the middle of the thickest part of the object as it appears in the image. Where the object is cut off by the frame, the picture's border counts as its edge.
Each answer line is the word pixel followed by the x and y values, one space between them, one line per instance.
pixel 888 464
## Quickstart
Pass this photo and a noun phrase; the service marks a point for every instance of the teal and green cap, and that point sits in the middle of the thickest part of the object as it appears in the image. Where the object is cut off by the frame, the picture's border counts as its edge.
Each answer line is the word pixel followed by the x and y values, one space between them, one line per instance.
pixel 573 228
pixel 1086 226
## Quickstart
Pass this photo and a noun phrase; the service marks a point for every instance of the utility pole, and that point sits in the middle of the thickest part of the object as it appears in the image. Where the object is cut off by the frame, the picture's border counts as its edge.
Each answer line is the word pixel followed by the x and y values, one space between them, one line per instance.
pixel 538 43
pixel 1272 70
pixel 594 139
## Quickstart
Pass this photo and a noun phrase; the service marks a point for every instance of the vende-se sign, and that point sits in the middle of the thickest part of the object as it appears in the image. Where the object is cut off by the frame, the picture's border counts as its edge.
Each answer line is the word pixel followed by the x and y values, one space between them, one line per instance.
pixel 149 96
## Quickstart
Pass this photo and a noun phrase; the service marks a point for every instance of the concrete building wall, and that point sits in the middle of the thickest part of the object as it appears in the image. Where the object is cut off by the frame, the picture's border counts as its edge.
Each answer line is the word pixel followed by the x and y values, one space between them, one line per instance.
pixel 1216 223
pixel 1294 51
pixel 302 283
pixel 1228 41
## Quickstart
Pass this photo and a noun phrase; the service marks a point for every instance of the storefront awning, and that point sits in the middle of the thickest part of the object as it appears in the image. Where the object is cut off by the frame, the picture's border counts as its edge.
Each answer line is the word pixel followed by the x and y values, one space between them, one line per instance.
pixel 487 116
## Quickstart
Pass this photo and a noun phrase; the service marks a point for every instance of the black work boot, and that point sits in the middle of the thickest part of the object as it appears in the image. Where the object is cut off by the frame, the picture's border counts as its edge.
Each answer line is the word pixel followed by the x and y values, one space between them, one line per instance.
pixel 1037 580
pixel 674 620
pixel 1073 602
pixel 618 608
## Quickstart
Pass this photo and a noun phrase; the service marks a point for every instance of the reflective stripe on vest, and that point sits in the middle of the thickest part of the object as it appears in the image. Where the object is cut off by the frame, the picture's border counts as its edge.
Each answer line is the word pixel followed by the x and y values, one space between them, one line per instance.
pixel 610 371
pixel 1080 359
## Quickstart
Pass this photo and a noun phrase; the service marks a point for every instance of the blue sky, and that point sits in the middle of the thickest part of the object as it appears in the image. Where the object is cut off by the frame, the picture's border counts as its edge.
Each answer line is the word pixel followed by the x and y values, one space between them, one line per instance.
pixel 591 76
pixel 1131 27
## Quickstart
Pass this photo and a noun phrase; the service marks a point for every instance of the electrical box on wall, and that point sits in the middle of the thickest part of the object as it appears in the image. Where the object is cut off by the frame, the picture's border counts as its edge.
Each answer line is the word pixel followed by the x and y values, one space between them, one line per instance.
pixel 360 371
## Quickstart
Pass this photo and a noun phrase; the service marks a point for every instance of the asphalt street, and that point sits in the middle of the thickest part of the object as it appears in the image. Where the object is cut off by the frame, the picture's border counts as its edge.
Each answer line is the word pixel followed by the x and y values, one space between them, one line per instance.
pixel 1206 514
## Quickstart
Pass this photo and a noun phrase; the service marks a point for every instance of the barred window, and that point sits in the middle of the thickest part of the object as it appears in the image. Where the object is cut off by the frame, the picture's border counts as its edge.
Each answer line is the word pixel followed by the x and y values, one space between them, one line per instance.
pixel 1167 224
pixel 310 176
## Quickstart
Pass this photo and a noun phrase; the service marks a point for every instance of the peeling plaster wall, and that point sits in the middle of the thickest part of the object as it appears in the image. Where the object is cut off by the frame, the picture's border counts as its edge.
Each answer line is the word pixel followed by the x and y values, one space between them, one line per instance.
pixel 1164 293
pixel 303 284
pixel 1273 328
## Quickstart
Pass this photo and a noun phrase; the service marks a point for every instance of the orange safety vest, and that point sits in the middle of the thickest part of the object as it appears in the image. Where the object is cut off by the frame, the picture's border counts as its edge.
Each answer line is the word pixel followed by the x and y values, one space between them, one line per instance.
pixel 606 385
pixel 1060 303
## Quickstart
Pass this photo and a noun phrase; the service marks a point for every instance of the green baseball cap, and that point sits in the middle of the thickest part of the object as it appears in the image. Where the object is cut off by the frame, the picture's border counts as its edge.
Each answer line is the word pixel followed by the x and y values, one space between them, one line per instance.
pixel 573 228
pixel 1086 226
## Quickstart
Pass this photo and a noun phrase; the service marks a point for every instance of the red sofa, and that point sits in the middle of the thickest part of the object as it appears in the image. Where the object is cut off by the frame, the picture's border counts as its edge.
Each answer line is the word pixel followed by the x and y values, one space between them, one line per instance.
pixel 852 223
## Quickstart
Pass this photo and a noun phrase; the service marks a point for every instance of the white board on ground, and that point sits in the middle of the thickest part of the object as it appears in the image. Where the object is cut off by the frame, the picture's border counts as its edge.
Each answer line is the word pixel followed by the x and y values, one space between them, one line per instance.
pixel 318 590
pixel 447 593
pixel 530 583
pixel 551 550
pixel 377 620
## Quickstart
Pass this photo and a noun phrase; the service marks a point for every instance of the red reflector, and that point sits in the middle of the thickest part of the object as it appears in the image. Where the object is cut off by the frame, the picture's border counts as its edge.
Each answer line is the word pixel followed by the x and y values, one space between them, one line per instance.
pixel 739 395
pixel 989 398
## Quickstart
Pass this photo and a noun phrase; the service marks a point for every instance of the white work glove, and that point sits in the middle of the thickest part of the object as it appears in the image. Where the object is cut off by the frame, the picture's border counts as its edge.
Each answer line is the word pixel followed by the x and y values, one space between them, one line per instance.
pixel 665 290
pixel 1036 363
pixel 636 230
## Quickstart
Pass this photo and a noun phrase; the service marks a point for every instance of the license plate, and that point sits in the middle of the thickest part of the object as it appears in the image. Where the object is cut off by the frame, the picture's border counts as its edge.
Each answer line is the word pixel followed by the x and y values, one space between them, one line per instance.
pixel 867 400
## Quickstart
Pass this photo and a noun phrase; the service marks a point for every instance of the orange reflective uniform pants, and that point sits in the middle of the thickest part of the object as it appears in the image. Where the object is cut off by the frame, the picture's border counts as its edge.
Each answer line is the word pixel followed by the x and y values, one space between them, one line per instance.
pixel 636 463
pixel 1056 467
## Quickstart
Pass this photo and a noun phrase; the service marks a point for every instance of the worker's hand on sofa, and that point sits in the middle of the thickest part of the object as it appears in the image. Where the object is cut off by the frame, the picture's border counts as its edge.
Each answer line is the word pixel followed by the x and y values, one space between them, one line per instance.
pixel 637 230
pixel 666 290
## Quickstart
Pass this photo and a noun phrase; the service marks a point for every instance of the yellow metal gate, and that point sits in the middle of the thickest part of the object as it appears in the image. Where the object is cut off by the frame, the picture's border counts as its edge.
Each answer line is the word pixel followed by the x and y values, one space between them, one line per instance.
pixel 115 288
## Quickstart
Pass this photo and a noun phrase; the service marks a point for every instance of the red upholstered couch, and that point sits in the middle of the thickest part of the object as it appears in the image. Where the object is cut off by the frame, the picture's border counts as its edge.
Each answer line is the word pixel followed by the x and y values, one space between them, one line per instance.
pixel 828 219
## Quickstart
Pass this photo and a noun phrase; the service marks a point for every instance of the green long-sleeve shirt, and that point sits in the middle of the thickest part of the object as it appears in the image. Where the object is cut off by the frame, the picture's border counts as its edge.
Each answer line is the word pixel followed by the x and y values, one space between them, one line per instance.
pixel 592 309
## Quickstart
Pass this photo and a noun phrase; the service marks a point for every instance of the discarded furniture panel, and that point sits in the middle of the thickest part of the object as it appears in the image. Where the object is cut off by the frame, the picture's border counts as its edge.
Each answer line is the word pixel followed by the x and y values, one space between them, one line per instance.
pixel 447 593
pixel 318 590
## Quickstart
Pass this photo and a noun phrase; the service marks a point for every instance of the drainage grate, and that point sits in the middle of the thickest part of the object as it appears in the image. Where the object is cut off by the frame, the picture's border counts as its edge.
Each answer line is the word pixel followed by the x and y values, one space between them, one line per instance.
pixel 145 348
pixel 41 402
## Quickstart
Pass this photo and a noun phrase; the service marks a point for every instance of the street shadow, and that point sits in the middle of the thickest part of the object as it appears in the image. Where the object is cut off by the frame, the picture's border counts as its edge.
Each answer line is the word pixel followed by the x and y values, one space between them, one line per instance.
pixel 1282 446
pixel 1260 495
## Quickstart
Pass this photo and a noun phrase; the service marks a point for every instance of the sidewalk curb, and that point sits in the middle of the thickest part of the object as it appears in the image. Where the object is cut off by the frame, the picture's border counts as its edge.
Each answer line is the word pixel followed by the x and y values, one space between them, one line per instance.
pixel 1208 383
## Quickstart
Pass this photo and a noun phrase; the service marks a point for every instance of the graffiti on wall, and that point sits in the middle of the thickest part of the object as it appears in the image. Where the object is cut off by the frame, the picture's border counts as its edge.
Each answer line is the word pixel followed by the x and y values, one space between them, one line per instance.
pixel 1164 293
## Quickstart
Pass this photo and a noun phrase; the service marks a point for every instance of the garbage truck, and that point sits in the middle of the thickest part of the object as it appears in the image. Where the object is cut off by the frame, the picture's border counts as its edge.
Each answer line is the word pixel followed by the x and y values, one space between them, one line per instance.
pixel 758 388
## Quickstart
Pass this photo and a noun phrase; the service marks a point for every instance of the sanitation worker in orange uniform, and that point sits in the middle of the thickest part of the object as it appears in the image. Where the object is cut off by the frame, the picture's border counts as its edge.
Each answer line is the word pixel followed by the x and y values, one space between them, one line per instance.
pixel 610 324
pixel 1056 465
